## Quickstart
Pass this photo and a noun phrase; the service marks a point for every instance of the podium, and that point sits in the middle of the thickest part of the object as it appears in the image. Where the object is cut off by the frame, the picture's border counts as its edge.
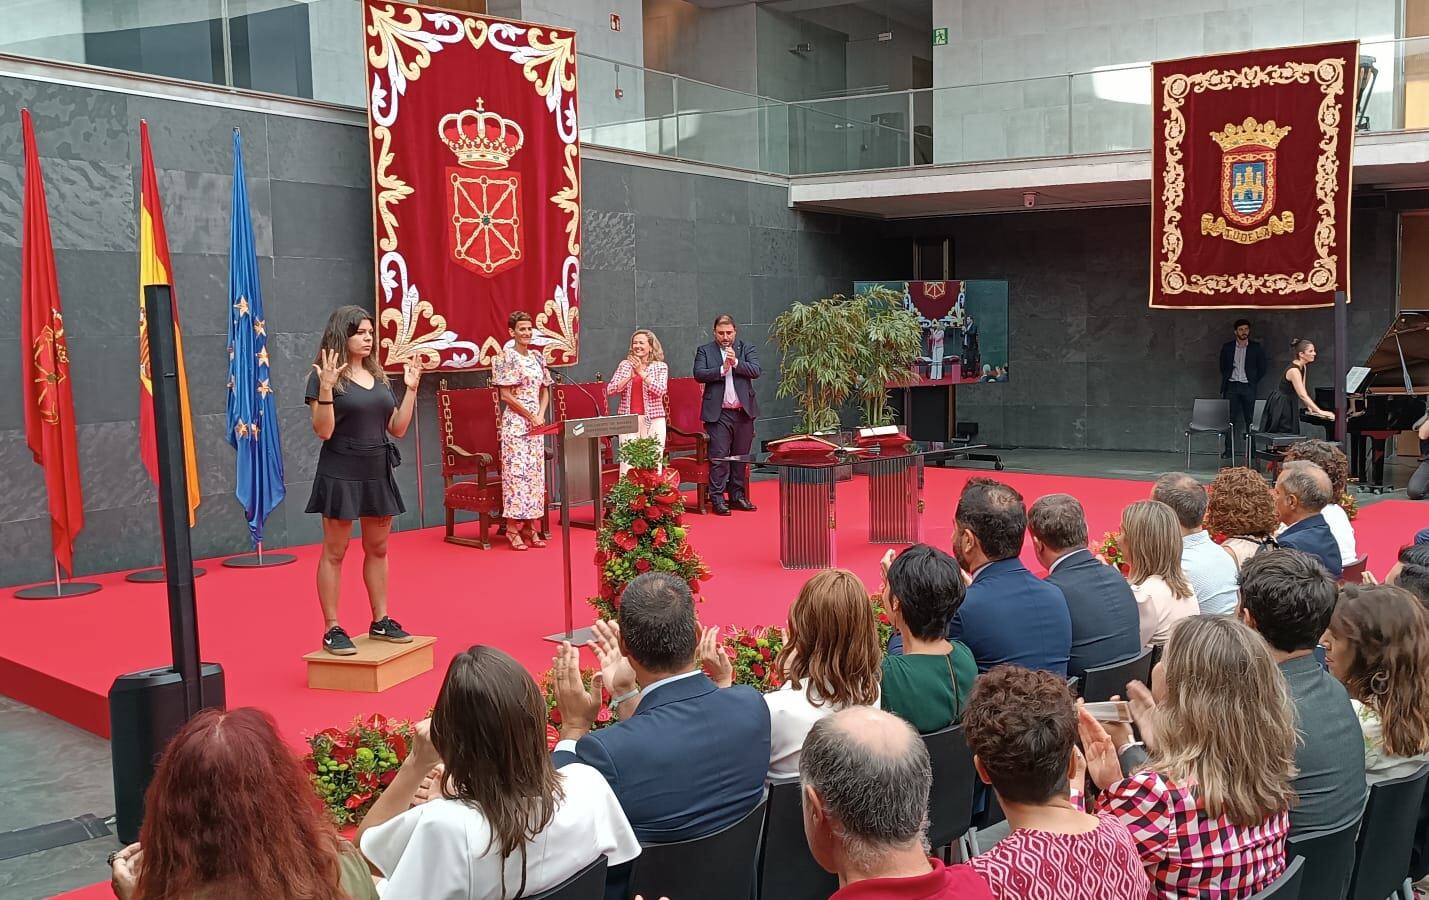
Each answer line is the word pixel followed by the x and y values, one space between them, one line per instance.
pixel 578 473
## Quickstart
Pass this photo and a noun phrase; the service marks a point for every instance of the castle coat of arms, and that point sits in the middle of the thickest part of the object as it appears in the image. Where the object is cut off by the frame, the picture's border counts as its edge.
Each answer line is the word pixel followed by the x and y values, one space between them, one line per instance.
pixel 1248 184
pixel 483 198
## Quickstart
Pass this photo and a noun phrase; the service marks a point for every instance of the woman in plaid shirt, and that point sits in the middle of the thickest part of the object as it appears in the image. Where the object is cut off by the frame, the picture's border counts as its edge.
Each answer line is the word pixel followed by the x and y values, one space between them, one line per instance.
pixel 1207 801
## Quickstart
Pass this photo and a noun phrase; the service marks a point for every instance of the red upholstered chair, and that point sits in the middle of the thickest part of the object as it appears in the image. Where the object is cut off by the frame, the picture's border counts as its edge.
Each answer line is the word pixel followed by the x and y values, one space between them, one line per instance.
pixel 471 445
pixel 586 401
pixel 685 435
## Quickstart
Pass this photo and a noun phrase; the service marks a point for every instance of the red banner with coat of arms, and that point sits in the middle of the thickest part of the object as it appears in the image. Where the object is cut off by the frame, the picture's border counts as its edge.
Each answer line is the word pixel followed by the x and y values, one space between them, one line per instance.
pixel 1251 178
pixel 476 184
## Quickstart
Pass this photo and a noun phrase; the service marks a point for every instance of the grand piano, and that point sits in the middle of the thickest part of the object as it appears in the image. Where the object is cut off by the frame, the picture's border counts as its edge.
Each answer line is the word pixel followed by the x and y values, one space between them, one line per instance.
pixel 1392 397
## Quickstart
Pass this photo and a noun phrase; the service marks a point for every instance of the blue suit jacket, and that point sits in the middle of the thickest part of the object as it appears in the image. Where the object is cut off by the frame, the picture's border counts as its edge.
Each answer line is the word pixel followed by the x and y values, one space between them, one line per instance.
pixel 709 371
pixel 691 761
pixel 1106 627
pixel 1313 536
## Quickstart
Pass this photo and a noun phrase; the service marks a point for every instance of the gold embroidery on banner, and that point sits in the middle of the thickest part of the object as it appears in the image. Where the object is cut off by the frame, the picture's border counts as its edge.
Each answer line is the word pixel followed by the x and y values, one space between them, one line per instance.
pixel 568 200
pixel 1217 227
pixel 1329 74
pixel 556 55
pixel 390 32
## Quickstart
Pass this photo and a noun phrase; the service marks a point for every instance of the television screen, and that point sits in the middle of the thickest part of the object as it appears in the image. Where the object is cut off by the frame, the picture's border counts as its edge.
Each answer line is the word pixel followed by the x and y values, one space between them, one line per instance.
pixel 964 328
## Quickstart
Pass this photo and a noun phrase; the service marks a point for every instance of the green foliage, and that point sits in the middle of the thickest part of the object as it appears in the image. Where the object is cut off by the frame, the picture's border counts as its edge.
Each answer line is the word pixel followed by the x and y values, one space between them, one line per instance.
pixel 641 453
pixel 350 767
pixel 841 347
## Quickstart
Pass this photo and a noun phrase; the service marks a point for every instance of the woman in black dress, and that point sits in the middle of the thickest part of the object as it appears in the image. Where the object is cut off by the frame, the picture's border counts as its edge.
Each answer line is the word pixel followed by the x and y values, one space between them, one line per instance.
pixel 354 410
pixel 1282 408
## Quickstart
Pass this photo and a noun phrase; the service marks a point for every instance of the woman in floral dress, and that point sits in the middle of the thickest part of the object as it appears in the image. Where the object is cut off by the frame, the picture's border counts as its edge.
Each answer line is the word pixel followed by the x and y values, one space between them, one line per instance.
pixel 521 377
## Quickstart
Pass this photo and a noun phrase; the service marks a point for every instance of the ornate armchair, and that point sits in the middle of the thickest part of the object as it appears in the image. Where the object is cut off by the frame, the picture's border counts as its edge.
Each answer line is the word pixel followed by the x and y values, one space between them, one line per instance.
pixel 585 401
pixel 685 435
pixel 471 445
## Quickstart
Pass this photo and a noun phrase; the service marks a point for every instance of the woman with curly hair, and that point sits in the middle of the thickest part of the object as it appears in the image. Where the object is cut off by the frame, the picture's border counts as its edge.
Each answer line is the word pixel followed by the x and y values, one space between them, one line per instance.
pixel 1332 459
pixel 1242 509
pixel 1377 645
pixel 262 834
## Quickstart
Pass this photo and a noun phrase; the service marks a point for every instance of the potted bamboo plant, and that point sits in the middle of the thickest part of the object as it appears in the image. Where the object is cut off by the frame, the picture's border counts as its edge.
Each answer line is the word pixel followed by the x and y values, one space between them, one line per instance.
pixel 891 341
pixel 818 342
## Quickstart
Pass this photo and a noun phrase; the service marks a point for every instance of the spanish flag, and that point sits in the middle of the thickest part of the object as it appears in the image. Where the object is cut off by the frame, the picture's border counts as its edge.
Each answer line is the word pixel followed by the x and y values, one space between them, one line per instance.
pixel 154 268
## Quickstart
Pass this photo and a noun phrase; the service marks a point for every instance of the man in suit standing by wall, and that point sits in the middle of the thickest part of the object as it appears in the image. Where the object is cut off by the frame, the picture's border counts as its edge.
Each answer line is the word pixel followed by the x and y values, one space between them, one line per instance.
pixel 1242 365
pixel 727 368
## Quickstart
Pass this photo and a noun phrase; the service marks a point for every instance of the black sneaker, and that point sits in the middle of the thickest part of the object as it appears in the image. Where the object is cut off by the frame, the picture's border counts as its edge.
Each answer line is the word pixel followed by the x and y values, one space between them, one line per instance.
pixel 385 629
pixel 337 642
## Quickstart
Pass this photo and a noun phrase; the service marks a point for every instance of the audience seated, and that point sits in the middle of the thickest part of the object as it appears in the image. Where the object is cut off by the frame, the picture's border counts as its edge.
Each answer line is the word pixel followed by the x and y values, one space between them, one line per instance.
pixel 929 683
pixel 1207 801
pixel 831 661
pixel 231 813
pixel 1211 574
pixel 504 822
pixel 686 759
pixel 1332 459
pixel 1301 492
pixel 1022 728
pixel 1242 510
pixel 1378 646
pixel 866 778
pixel 1105 625
pixel 1288 597
pixel 1009 614
pixel 1411 571
pixel 1151 545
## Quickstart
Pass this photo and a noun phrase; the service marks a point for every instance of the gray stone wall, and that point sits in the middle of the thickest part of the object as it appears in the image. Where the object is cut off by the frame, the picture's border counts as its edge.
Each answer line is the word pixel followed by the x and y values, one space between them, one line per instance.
pixel 1092 366
pixel 663 249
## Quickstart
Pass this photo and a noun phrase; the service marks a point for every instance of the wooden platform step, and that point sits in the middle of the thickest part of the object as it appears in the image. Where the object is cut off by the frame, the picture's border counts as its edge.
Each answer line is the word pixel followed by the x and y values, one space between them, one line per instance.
pixel 375 667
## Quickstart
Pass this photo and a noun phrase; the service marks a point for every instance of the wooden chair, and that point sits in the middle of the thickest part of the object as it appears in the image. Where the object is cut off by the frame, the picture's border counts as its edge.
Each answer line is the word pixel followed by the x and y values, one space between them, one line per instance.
pixel 1354 571
pixel 685 435
pixel 471 446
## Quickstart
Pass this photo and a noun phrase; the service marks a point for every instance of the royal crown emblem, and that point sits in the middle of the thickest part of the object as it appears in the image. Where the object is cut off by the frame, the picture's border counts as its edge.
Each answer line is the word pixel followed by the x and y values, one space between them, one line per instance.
pixel 483 207
pixel 1248 183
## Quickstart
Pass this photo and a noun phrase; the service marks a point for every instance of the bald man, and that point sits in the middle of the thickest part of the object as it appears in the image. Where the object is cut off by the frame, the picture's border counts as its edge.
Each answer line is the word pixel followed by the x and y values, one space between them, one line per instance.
pixel 1301 491
pixel 866 778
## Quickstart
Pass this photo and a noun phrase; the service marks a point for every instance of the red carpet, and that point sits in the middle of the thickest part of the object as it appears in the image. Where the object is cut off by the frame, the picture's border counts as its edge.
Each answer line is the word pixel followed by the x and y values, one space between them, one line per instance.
pixel 61 656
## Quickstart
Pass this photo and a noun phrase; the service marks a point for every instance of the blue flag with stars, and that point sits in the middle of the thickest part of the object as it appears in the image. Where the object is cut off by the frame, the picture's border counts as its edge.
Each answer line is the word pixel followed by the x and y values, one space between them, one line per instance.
pixel 252 411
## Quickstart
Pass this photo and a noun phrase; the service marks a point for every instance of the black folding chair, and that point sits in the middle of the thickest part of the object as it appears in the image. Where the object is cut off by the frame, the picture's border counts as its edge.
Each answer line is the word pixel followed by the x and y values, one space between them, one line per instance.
pixel 1104 681
pixel 787 870
pixel 1329 861
pixel 587 884
pixel 719 866
pixel 950 803
pixel 1287 886
pixel 1387 837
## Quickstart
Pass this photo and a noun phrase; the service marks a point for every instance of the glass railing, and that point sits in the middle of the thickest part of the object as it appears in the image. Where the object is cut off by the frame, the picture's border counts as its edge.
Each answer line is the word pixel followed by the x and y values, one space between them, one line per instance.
pixel 309 48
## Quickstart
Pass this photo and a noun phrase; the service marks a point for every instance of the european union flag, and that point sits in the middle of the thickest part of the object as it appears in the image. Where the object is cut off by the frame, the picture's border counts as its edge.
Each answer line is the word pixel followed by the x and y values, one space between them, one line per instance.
pixel 252 411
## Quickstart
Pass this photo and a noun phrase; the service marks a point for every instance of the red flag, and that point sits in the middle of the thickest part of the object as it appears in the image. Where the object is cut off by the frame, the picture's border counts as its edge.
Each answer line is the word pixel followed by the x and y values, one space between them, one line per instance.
pixel 44 365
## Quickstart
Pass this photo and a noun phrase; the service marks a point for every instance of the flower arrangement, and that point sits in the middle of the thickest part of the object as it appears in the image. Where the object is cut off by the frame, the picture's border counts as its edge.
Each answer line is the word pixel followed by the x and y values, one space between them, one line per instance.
pixel 1349 505
pixel 350 767
pixel 1110 552
pixel 885 622
pixel 547 681
pixel 643 529
pixel 753 652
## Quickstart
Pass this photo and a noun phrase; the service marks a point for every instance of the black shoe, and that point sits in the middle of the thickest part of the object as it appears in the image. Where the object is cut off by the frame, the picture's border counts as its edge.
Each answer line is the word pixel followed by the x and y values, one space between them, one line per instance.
pixel 337 642
pixel 743 504
pixel 719 507
pixel 385 629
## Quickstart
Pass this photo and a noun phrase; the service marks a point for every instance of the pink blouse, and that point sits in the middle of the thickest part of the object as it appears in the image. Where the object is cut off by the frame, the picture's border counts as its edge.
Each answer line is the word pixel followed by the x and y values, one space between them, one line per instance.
pixel 656 381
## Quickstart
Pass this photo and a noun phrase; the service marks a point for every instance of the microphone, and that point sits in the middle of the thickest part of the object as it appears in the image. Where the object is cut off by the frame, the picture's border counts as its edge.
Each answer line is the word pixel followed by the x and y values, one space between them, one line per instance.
pixel 601 408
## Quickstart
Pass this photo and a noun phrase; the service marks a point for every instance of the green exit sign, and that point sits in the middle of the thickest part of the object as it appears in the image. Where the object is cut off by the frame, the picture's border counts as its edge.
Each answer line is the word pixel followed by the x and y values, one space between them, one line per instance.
pixel 940 37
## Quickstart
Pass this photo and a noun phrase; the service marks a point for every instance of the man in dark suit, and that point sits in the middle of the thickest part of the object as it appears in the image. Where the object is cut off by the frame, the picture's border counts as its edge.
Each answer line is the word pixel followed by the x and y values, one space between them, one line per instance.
pixel 1242 366
pixel 1106 627
pixel 727 368
pixel 1009 615
pixel 1288 597
pixel 686 759
pixel 1301 491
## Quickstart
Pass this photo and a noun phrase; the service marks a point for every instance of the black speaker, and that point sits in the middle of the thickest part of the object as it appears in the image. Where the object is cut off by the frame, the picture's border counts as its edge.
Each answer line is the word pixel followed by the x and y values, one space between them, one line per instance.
pixel 146 709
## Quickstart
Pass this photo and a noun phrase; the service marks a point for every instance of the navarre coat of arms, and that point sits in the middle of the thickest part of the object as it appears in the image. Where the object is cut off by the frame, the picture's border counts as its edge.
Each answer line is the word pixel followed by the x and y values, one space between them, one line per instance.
pixel 483 198
pixel 1248 184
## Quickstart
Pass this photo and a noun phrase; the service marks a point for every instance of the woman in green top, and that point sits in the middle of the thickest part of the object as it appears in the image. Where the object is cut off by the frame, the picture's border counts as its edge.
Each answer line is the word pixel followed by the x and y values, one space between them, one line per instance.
pixel 929 684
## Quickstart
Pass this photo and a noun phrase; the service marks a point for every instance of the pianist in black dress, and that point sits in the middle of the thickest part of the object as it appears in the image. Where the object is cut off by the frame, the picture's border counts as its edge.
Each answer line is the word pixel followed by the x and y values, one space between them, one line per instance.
pixel 1282 408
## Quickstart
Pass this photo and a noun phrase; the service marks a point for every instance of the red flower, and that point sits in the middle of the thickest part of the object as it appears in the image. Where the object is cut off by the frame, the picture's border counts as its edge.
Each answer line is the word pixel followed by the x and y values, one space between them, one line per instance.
pixel 399 746
pixel 706 575
pixel 555 715
pixel 694 586
pixel 748 640
pixel 758 670
pixel 342 754
pixel 678 519
pixel 764 652
pixel 311 764
pixel 552 736
pixel 639 502
pixel 642 565
pixel 388 776
pixel 639 526
pixel 662 537
pixel 667 497
pixel 601 557
pixel 357 800
pixel 603 715
pixel 625 540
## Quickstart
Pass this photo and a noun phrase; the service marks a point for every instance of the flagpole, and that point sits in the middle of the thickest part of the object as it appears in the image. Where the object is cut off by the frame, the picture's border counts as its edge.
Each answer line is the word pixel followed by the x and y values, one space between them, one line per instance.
pixel 259 560
pixel 59 590
pixel 421 494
